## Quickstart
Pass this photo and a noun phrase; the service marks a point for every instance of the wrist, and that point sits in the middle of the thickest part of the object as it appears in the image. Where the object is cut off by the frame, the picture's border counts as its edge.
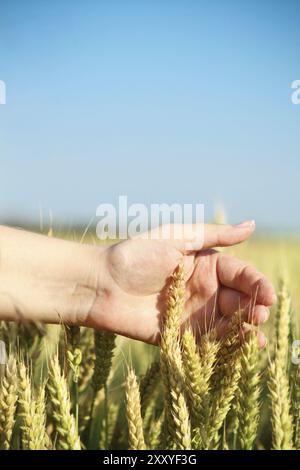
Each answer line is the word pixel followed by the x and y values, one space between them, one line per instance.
pixel 87 284
pixel 46 279
pixel 100 314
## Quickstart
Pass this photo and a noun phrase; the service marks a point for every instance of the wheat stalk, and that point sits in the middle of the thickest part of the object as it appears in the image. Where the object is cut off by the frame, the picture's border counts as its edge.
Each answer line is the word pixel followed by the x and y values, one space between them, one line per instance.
pixel 67 437
pixel 8 399
pixel 133 412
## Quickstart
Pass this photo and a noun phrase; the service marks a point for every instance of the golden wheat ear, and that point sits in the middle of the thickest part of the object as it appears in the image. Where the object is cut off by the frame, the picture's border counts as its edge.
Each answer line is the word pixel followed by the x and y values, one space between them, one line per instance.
pixel 8 401
pixel 148 385
pixel 177 421
pixel 65 426
pixel 133 413
pixel 278 377
pixel 248 403
pixel 224 383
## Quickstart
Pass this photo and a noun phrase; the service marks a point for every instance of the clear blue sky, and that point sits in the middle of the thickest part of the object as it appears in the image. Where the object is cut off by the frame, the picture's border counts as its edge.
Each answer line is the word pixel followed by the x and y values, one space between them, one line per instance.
pixel 165 101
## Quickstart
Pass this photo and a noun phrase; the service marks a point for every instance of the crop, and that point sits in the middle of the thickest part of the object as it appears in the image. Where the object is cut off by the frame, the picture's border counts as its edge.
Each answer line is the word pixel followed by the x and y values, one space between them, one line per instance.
pixel 136 439
pixel 8 400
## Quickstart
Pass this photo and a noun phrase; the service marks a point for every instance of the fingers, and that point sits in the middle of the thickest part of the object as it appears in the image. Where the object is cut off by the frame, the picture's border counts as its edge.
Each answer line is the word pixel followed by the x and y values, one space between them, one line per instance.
pixel 245 279
pixel 223 326
pixel 231 301
pixel 261 337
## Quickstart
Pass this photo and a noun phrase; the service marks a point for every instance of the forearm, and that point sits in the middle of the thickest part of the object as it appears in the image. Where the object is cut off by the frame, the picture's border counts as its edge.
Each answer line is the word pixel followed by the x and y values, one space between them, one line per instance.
pixel 45 279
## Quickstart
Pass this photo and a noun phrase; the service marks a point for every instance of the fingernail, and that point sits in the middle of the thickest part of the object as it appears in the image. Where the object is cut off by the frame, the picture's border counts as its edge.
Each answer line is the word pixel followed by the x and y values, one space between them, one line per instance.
pixel 274 298
pixel 264 342
pixel 247 224
pixel 264 316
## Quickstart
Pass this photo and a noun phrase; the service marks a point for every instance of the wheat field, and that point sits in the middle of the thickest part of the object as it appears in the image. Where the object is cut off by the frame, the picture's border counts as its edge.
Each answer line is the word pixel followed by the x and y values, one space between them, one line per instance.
pixel 70 388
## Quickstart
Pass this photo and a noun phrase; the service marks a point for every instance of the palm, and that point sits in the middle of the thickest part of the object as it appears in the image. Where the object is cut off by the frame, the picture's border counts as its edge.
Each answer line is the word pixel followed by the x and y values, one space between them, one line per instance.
pixel 141 269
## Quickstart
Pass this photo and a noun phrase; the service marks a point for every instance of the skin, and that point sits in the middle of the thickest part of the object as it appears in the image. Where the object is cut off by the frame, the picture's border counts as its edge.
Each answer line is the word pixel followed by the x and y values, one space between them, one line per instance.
pixel 122 288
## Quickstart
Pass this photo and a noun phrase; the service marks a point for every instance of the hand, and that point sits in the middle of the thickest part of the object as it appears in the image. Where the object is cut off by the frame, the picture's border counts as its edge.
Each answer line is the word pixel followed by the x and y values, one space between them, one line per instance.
pixel 137 273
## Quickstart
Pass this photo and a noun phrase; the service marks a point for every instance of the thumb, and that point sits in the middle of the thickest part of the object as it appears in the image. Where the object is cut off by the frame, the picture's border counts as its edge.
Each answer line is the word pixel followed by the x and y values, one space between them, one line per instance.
pixel 226 235
pixel 204 236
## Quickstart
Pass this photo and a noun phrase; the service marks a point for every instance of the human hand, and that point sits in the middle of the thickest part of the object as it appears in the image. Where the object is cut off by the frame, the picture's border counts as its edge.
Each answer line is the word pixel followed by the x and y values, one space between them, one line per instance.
pixel 136 272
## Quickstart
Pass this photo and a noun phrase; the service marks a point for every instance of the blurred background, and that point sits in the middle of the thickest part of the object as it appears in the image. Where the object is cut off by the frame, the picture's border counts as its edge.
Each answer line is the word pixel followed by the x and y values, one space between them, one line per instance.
pixel 162 101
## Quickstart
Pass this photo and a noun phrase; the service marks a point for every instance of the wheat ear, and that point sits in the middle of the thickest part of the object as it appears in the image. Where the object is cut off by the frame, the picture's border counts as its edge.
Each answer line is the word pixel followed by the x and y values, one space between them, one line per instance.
pixel 108 425
pixel 74 355
pixel 155 429
pixel 148 385
pixel 225 384
pixel 88 358
pixel 170 333
pixel 195 386
pixel 221 403
pixel 282 428
pixel 26 406
pixel 249 393
pixel 133 412
pixel 40 417
pixel 296 404
pixel 281 419
pixel 198 368
pixel 104 349
pixel 283 321
pixel 32 413
pixel 67 437
pixel 176 409
pixel 8 399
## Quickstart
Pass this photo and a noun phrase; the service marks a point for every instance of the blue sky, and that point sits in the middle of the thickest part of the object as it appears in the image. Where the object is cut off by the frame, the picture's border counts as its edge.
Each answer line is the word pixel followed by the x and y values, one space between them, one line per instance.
pixel 182 101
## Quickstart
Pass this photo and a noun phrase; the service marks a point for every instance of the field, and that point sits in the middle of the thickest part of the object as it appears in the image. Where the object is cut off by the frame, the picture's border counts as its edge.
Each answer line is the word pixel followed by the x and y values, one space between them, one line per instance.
pixel 66 388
